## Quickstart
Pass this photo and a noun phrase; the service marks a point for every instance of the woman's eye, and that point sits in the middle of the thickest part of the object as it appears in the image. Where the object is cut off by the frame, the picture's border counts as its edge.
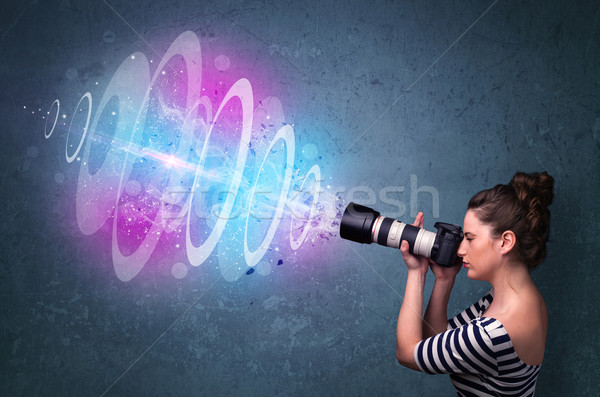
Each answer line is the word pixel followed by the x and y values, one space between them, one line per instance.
pixel 469 238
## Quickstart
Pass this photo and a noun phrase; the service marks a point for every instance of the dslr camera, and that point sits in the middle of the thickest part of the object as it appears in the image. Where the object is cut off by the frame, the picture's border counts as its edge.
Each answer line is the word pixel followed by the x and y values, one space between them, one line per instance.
pixel 365 225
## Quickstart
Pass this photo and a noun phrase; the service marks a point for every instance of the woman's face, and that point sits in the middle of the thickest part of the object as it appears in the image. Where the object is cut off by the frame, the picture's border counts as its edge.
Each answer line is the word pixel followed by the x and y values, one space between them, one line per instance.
pixel 478 248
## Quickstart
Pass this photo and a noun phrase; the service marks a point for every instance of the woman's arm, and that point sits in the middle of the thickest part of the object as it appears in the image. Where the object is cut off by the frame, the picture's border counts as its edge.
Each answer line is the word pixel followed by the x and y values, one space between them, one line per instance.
pixel 409 330
pixel 436 317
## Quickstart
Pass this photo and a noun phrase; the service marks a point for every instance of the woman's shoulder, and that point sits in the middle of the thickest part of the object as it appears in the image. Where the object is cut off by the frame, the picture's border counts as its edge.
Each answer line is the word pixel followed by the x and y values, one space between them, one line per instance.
pixel 526 324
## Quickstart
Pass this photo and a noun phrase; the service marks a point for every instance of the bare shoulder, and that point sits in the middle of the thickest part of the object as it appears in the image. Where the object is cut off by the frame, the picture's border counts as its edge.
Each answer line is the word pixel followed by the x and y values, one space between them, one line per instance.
pixel 527 325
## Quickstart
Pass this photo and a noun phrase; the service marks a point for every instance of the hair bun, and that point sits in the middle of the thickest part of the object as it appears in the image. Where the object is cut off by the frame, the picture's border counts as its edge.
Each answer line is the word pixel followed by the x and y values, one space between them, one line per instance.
pixel 534 190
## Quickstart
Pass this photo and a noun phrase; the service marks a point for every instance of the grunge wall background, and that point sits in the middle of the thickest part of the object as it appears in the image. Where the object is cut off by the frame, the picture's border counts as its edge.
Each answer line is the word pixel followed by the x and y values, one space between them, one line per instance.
pixel 418 100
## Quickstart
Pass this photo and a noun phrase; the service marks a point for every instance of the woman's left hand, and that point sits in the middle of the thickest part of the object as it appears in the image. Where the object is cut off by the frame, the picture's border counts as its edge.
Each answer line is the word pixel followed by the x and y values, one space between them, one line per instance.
pixel 415 262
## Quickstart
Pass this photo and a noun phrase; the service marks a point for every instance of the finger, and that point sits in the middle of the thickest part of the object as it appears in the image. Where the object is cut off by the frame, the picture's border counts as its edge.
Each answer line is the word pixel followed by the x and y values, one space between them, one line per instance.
pixel 404 247
pixel 406 255
pixel 419 220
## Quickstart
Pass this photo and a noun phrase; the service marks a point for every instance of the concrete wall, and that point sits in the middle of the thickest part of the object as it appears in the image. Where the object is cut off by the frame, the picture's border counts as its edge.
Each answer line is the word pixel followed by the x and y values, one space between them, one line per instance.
pixel 414 96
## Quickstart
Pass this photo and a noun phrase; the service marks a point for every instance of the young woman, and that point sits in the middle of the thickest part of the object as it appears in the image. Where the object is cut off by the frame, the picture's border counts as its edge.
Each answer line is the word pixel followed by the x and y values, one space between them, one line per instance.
pixel 496 346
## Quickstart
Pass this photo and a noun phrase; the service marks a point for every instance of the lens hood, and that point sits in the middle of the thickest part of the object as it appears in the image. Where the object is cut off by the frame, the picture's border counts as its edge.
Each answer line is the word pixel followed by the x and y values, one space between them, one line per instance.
pixel 357 223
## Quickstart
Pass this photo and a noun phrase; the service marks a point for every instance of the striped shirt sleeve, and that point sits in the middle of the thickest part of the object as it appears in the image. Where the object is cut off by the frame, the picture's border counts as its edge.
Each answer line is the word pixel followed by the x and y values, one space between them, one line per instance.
pixel 472 312
pixel 467 349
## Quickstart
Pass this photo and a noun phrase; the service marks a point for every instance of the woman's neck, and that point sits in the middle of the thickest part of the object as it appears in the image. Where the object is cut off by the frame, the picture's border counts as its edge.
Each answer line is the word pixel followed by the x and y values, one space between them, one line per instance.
pixel 510 279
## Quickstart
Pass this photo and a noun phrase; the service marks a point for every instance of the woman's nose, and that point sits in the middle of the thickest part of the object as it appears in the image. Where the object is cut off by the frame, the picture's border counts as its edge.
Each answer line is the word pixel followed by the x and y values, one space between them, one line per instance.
pixel 462 249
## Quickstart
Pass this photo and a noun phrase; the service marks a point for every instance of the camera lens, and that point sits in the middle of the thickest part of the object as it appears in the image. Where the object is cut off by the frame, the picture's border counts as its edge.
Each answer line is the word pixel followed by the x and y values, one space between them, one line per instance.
pixel 364 225
pixel 357 223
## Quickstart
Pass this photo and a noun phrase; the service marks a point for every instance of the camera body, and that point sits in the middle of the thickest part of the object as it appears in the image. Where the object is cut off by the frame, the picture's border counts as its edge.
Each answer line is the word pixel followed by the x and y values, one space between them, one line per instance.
pixel 365 225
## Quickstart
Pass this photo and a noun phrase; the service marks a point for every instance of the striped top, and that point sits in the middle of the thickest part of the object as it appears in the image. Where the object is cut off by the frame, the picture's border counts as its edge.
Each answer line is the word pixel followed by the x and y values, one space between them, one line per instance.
pixel 479 356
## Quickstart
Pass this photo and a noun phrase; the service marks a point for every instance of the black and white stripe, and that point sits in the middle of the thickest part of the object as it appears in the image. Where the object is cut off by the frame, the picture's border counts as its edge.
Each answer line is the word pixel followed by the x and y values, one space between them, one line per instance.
pixel 479 356
pixel 471 313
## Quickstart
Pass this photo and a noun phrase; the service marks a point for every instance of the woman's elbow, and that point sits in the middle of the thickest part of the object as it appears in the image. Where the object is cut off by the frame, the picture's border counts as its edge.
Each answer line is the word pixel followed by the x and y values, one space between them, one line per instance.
pixel 402 356
pixel 406 358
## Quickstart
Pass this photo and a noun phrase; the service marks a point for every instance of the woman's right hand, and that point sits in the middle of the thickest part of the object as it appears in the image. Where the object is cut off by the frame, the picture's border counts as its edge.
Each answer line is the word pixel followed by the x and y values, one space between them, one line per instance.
pixel 443 273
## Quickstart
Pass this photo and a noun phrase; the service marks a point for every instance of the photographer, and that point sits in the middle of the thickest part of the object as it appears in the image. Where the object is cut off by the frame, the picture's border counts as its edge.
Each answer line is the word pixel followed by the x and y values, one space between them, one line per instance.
pixel 496 346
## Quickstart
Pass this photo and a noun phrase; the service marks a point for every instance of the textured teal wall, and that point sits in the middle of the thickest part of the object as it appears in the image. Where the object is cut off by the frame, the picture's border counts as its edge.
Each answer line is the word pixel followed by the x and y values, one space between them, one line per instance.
pixel 520 90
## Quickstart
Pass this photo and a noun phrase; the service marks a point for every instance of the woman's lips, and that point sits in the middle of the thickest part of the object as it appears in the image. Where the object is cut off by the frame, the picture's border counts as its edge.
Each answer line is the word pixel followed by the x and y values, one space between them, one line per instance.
pixel 465 264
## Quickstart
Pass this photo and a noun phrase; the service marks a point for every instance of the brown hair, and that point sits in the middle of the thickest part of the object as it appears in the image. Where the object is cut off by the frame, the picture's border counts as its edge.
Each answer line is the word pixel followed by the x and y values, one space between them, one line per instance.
pixel 522 207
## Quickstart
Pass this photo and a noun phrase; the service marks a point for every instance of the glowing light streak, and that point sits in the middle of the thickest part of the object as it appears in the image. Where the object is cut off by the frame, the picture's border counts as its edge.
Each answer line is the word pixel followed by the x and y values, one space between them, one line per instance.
pixel 286 134
pixel 186 45
pixel 296 243
pixel 93 209
pixel 168 159
pixel 198 254
pixel 49 134
pixel 70 159
pixel 174 194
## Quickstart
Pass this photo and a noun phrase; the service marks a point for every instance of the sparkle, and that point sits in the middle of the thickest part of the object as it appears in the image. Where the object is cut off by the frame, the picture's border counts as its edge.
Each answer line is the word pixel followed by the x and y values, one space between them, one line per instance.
pixel 171 161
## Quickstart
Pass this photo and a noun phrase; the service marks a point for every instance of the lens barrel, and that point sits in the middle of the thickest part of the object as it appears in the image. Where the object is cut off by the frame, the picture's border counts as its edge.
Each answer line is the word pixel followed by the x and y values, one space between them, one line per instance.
pixel 364 225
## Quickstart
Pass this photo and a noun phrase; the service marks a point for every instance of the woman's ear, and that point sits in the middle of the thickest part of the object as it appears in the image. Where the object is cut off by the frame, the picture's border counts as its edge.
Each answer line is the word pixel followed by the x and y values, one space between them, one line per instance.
pixel 508 241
